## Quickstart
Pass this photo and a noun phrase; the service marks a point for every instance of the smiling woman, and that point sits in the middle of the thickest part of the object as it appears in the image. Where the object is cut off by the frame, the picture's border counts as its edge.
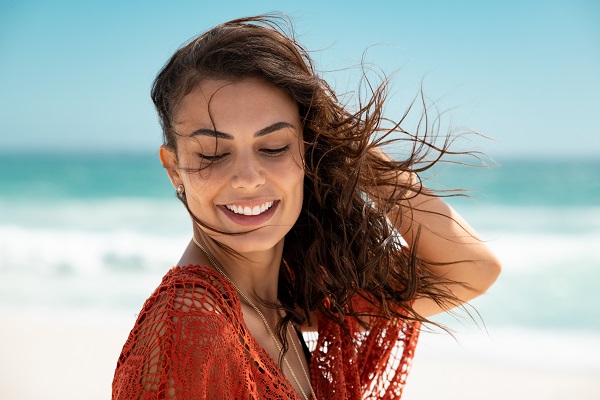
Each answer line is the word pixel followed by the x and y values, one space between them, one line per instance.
pixel 239 149
pixel 300 223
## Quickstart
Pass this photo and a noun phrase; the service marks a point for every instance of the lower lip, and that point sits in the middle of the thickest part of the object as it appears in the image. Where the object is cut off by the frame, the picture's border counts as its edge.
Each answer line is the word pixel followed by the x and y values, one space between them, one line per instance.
pixel 250 220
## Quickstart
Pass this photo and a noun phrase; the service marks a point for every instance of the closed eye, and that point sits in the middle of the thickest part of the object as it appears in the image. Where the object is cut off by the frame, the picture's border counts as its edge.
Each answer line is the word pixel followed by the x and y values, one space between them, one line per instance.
pixel 275 152
pixel 213 158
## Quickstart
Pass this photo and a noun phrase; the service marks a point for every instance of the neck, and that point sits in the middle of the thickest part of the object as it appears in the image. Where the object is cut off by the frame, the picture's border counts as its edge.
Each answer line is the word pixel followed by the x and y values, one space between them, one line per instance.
pixel 256 274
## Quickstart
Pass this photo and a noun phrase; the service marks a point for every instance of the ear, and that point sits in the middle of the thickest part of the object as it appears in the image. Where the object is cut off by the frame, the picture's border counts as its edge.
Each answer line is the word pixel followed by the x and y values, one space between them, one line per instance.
pixel 168 159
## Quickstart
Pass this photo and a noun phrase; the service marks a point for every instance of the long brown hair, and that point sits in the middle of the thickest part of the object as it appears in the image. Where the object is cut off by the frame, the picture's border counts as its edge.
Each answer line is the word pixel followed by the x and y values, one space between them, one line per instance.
pixel 342 244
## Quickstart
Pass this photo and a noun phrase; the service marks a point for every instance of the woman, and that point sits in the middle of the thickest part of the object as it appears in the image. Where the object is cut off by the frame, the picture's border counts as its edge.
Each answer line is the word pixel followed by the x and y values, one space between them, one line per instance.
pixel 296 213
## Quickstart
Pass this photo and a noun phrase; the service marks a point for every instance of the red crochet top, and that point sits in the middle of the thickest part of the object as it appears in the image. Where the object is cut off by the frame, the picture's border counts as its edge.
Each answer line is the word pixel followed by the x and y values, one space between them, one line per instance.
pixel 190 342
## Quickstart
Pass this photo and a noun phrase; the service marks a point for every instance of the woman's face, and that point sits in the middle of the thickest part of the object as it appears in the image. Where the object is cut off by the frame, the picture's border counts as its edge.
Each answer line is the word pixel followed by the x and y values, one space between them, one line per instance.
pixel 240 158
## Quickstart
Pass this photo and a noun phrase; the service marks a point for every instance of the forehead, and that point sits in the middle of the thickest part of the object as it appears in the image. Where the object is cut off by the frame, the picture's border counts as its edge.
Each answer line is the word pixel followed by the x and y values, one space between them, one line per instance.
pixel 250 103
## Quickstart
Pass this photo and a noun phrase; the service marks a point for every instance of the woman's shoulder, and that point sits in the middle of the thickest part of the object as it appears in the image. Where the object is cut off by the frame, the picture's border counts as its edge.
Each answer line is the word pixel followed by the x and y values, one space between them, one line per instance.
pixel 190 297
pixel 189 292
pixel 193 289
pixel 194 276
pixel 189 321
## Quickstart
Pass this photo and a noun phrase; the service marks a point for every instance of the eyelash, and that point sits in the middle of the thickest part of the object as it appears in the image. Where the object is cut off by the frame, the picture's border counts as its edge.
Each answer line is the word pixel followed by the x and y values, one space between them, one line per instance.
pixel 267 152
pixel 215 158
pixel 275 152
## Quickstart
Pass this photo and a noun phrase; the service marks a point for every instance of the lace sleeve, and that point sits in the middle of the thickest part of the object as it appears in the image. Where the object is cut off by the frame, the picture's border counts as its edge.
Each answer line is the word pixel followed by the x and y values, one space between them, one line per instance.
pixel 364 364
pixel 385 353
pixel 184 345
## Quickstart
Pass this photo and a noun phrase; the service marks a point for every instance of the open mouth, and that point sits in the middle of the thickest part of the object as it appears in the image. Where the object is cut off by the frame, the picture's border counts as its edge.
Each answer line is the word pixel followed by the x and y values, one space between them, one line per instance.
pixel 250 211
pixel 251 215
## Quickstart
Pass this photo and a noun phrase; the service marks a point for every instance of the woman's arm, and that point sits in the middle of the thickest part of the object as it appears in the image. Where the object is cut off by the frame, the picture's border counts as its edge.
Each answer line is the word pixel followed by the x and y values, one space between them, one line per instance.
pixel 454 250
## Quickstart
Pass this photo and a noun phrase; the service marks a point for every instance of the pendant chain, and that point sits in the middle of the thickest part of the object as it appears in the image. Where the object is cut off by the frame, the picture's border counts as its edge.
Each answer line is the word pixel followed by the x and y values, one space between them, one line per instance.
pixel 264 319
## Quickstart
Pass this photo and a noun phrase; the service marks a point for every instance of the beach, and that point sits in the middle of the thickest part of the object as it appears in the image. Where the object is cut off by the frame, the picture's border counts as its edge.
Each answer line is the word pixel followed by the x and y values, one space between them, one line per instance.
pixel 90 222
pixel 78 261
pixel 508 365
pixel 68 357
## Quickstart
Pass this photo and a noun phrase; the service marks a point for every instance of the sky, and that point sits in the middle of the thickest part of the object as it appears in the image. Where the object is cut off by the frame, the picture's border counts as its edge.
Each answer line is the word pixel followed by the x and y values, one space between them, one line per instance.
pixel 75 76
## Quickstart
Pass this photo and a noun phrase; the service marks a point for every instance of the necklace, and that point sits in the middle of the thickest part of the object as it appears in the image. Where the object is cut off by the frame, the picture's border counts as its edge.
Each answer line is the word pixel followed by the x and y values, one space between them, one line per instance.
pixel 264 319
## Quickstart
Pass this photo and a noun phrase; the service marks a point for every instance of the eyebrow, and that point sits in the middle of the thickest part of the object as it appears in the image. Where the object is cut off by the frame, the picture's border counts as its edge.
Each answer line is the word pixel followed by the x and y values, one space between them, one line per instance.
pixel 262 132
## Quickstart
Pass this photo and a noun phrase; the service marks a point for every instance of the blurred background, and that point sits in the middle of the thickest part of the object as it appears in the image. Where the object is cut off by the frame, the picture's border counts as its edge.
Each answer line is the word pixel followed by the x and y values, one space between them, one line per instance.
pixel 89 222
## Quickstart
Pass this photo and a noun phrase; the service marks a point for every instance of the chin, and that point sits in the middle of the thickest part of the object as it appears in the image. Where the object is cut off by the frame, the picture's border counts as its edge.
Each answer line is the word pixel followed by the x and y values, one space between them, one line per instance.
pixel 256 241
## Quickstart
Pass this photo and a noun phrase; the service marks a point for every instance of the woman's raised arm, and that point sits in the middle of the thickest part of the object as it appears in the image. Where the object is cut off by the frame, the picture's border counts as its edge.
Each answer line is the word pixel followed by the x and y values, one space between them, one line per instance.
pixel 448 245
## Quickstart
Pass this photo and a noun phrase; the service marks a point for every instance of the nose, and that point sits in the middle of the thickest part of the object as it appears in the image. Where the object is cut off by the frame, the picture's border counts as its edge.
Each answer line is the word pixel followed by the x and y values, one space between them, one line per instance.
pixel 247 174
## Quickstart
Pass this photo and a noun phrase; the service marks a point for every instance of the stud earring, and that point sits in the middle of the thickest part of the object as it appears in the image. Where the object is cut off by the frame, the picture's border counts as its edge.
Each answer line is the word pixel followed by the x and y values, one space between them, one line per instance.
pixel 180 190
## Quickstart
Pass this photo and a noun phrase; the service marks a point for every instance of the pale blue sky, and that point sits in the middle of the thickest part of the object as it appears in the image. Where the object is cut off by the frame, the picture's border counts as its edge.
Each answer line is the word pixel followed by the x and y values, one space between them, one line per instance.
pixel 76 76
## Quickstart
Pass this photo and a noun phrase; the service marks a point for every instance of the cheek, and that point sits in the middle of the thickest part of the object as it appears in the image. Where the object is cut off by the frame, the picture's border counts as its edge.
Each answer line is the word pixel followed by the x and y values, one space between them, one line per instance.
pixel 297 186
pixel 288 177
pixel 202 187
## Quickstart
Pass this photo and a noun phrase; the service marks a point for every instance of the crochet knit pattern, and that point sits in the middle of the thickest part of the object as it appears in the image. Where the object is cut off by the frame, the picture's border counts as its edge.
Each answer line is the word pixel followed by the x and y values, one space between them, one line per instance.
pixel 190 342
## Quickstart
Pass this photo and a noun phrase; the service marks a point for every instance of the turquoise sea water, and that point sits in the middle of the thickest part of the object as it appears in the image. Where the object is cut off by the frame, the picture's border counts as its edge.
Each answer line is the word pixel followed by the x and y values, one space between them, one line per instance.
pixel 97 232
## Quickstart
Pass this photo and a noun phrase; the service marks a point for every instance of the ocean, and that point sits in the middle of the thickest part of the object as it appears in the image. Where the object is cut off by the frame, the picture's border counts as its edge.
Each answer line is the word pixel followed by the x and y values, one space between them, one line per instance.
pixel 94 233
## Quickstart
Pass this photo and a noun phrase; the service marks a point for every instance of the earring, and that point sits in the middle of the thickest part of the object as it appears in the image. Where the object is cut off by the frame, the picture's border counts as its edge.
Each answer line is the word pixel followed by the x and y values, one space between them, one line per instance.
pixel 180 190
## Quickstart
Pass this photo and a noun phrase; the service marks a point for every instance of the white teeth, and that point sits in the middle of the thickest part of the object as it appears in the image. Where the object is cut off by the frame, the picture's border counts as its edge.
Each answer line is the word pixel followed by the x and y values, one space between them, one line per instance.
pixel 256 210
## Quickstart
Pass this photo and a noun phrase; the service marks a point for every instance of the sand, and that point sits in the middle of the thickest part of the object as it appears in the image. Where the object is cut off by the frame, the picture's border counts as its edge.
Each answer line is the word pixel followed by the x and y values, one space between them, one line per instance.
pixel 73 356
pixel 435 378
pixel 58 358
